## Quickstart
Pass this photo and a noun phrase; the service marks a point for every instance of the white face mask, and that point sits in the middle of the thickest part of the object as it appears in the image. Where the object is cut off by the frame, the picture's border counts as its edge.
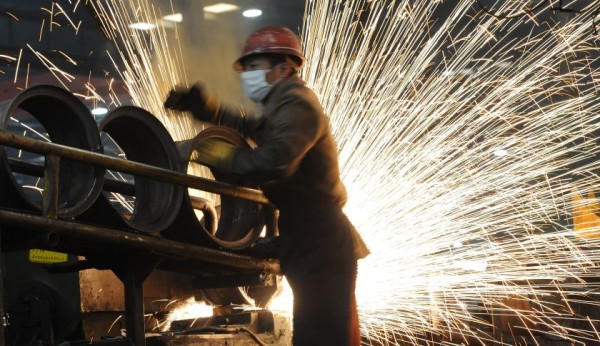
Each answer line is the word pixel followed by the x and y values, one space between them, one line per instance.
pixel 255 84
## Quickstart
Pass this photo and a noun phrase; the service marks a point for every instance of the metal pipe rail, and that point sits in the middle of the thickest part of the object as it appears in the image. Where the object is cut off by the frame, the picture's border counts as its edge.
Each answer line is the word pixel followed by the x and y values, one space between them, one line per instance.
pixel 135 241
pixel 134 168
pixel 109 185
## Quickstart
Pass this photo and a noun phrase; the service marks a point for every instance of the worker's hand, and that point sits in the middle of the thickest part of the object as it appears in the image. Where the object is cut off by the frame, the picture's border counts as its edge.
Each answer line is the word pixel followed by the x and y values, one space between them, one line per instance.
pixel 194 99
pixel 182 99
pixel 215 153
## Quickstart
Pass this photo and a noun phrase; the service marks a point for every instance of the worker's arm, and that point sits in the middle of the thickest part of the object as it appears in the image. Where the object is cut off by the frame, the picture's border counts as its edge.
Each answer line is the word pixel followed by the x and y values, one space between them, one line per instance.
pixel 296 127
pixel 243 123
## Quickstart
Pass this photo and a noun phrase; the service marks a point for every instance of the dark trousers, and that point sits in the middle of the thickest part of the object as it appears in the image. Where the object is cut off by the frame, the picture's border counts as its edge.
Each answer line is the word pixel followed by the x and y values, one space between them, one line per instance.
pixel 325 305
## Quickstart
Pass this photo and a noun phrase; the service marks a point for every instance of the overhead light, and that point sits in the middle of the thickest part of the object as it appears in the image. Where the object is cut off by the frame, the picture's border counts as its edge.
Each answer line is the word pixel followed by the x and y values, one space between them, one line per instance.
pixel 500 152
pixel 220 8
pixel 142 26
pixel 175 17
pixel 99 111
pixel 209 16
pixel 253 12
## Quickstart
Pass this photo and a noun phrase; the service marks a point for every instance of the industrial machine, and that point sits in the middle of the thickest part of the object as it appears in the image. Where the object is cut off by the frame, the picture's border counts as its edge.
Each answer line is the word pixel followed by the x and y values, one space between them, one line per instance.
pixel 103 220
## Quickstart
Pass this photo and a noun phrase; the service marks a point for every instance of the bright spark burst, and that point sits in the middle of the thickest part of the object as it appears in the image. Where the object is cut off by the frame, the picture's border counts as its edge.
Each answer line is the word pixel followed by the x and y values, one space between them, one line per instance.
pixel 419 104
pixel 417 142
pixel 151 65
pixel 188 309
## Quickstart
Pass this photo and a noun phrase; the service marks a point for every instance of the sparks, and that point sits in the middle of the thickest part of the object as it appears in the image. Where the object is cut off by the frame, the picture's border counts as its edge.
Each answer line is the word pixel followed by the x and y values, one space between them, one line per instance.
pixel 8 57
pixel 415 140
pixel 52 68
pixel 419 104
pixel 12 16
pixel 188 309
pixel 152 67
pixel 18 63
pixel 69 59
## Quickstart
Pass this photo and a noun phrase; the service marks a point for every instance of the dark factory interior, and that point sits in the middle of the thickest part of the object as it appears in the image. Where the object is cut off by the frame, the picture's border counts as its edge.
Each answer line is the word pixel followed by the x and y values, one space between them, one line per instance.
pixel 287 172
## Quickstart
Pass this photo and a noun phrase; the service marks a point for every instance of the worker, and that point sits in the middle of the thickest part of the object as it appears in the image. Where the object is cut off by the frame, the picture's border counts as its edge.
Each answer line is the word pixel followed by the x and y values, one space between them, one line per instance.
pixel 296 162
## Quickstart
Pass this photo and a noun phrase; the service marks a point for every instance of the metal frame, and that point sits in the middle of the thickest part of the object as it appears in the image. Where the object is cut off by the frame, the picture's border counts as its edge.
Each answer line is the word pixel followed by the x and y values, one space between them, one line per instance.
pixel 139 253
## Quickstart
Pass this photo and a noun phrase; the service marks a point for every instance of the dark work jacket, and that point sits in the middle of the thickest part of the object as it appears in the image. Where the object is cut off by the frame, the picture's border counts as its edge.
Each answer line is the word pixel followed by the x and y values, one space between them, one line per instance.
pixel 296 161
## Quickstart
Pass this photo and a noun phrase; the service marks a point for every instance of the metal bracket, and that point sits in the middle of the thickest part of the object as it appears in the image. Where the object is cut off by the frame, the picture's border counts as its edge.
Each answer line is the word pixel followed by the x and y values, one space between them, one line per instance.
pixel 133 271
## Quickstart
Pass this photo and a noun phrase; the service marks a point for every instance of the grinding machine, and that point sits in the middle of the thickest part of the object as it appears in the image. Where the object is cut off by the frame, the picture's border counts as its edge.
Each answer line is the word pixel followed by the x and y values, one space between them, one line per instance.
pixel 105 225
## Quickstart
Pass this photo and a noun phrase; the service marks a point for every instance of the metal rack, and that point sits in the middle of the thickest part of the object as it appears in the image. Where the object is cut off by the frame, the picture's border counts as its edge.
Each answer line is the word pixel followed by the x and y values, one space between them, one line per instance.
pixel 135 255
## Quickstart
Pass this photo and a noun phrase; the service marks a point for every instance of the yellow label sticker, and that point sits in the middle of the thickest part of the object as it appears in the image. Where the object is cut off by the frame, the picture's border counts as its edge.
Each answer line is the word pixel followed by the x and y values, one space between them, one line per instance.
pixel 45 256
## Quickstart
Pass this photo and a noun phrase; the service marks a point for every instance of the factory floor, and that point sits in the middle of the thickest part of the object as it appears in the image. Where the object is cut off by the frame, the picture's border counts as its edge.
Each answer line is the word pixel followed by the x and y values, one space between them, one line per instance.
pixel 273 331
pixel 239 339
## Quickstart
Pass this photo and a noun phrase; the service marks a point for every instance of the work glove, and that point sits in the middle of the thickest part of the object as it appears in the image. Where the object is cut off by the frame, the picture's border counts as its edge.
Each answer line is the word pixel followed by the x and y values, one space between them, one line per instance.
pixel 215 153
pixel 194 99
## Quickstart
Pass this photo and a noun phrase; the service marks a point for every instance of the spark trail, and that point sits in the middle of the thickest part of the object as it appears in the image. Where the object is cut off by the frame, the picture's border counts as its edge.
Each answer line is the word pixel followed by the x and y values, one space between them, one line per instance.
pixel 419 104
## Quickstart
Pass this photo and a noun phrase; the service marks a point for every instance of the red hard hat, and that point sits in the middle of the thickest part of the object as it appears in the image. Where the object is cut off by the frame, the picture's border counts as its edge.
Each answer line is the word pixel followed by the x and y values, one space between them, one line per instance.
pixel 272 40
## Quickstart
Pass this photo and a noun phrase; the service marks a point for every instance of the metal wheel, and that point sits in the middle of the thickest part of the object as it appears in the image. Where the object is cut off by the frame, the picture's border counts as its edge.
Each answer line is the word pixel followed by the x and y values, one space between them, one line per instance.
pixel 239 222
pixel 150 206
pixel 49 113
